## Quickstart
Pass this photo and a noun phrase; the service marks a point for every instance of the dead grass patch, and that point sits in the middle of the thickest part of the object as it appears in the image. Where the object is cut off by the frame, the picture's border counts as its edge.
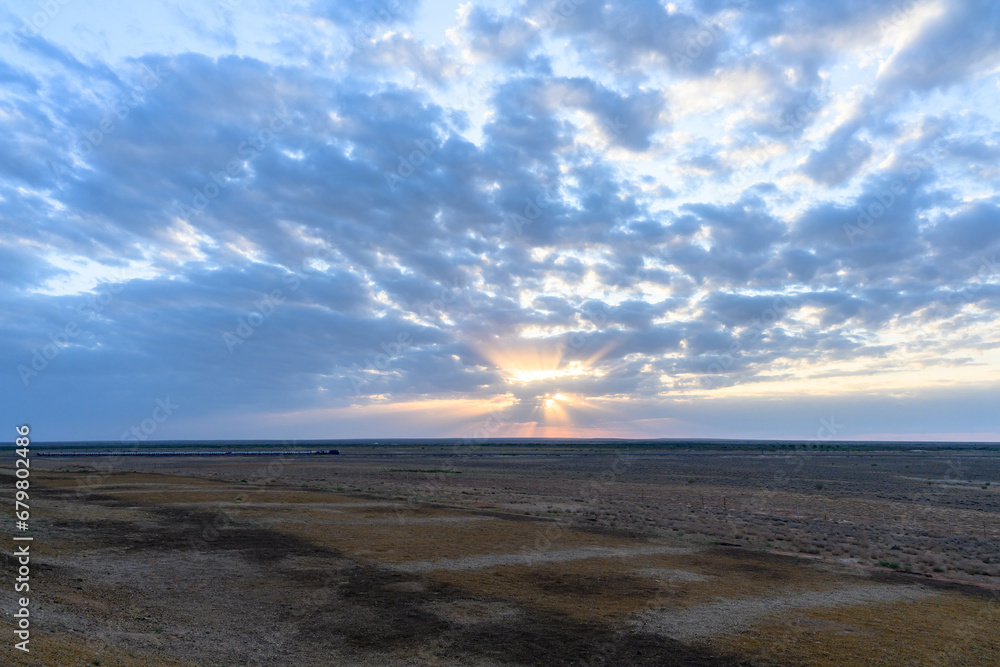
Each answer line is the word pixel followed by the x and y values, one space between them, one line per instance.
pixel 947 630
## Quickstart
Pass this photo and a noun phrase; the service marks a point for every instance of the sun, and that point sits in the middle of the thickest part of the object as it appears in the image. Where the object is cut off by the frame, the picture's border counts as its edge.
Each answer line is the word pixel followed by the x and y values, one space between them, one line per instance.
pixel 535 370
pixel 554 409
pixel 574 368
pixel 553 401
pixel 525 364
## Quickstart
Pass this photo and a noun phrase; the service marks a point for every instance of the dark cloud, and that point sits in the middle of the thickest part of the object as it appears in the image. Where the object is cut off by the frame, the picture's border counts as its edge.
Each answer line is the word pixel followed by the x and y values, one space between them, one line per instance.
pixel 379 13
pixel 505 39
pixel 975 228
pixel 952 46
pixel 841 158
pixel 628 35
pixel 20 268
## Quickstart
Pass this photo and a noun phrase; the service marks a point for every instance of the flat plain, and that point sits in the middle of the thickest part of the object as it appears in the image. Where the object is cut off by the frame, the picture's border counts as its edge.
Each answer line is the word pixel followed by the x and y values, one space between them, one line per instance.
pixel 513 555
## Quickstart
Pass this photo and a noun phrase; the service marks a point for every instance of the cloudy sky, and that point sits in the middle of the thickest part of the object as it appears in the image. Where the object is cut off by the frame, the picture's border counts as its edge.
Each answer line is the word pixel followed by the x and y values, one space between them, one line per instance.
pixel 322 219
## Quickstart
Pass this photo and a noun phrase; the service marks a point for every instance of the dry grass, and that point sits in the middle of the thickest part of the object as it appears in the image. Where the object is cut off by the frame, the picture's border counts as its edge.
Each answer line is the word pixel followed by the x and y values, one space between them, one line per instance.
pixel 947 630
pixel 592 590
pixel 291 542
pixel 48 649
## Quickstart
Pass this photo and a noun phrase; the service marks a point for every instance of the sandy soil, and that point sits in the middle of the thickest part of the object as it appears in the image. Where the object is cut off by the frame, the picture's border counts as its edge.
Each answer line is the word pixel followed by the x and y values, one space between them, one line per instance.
pixel 141 568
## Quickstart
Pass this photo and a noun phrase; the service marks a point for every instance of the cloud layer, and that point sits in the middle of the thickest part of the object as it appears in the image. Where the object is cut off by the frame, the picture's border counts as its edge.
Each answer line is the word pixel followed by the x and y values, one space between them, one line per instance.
pixel 719 219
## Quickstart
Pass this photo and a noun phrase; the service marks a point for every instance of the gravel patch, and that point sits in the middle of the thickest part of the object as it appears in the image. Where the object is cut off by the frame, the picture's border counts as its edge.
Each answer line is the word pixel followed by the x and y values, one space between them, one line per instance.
pixel 381 521
pixel 420 519
pixel 471 612
pixel 145 488
pixel 484 561
pixel 729 616
pixel 672 575
pixel 277 504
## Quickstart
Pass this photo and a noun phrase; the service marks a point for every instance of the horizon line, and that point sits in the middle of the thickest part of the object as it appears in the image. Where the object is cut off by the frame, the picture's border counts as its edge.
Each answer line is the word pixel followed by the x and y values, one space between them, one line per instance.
pixel 521 440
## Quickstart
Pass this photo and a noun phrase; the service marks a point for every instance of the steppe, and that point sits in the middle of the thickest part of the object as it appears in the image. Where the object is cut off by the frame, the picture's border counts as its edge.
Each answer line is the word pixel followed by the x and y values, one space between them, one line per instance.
pixel 440 554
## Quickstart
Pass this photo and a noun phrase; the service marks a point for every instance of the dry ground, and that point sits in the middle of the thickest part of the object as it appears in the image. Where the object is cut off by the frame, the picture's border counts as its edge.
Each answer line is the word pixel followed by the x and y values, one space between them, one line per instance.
pixel 172 569
pixel 935 512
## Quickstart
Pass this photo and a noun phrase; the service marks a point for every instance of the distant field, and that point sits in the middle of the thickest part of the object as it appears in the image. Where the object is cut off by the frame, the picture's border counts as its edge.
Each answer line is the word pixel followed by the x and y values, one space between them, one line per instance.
pixel 577 555
pixel 932 509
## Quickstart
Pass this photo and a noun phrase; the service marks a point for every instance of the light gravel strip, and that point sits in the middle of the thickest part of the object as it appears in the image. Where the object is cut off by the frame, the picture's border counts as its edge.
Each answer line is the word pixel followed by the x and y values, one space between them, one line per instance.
pixel 142 488
pixel 673 575
pixel 729 616
pixel 384 521
pixel 277 504
pixel 484 561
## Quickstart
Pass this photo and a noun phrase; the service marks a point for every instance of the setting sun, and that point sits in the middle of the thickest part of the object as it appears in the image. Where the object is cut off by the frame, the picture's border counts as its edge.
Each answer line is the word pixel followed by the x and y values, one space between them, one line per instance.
pixel 573 369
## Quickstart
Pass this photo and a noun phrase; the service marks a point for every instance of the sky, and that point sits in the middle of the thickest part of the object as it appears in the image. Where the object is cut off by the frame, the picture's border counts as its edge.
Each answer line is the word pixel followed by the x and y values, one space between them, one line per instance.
pixel 381 219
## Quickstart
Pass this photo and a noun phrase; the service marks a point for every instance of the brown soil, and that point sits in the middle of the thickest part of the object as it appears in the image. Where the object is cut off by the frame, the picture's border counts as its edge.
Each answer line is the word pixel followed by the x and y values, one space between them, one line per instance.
pixel 142 568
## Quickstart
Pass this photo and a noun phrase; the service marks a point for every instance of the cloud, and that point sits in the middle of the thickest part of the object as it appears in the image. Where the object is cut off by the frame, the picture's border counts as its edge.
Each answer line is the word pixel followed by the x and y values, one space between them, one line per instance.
pixel 402 53
pixel 975 228
pixel 375 12
pixel 841 158
pixel 684 202
pixel 630 36
pixel 952 46
pixel 505 39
